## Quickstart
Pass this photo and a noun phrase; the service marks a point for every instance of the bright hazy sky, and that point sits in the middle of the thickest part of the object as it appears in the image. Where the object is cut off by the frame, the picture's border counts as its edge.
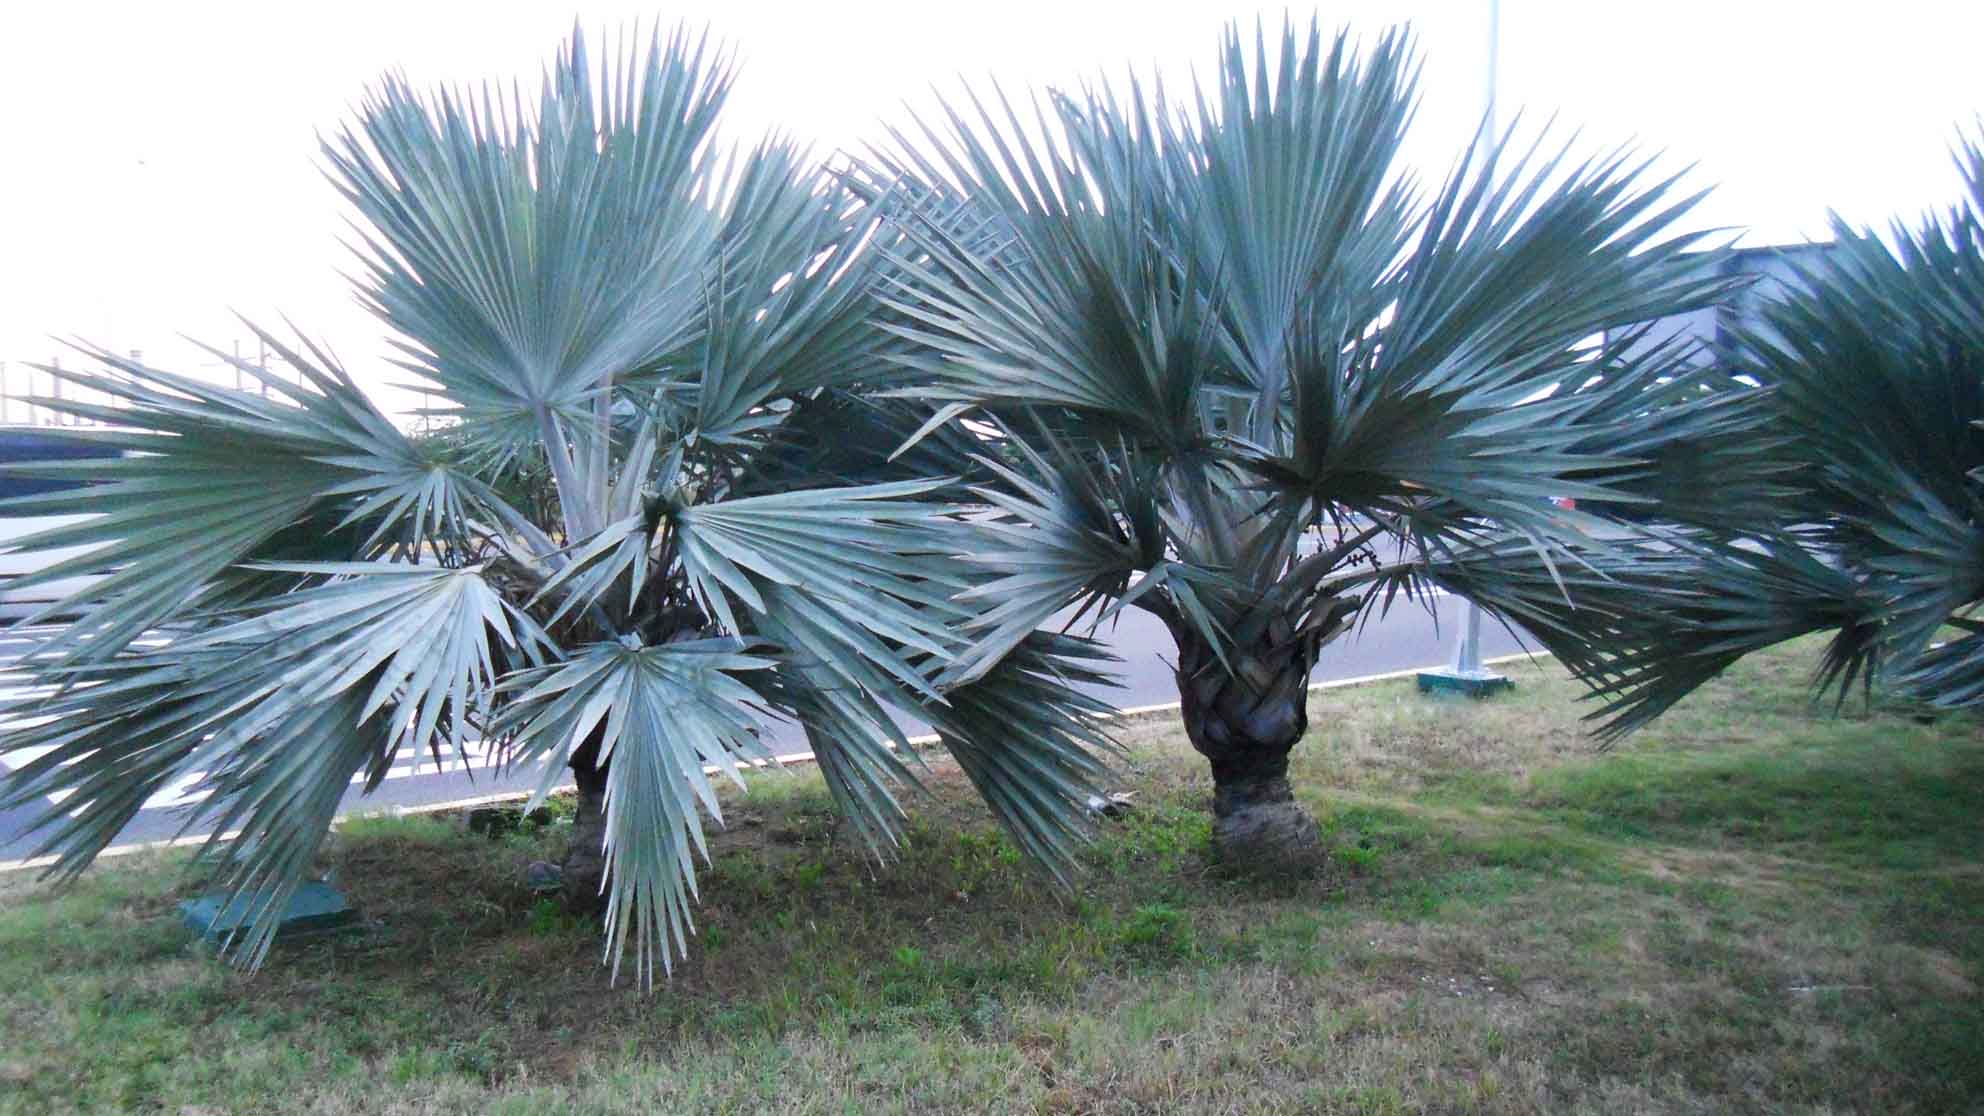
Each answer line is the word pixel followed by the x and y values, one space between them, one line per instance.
pixel 162 165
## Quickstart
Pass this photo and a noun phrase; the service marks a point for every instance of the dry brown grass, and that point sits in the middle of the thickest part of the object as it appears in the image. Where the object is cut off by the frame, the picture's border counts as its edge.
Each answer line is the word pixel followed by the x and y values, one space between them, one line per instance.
pixel 1752 908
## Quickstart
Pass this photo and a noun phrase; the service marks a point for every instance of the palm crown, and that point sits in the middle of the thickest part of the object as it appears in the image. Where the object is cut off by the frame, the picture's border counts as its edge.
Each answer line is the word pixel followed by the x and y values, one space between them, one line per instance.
pixel 1268 383
pixel 1874 355
pixel 687 340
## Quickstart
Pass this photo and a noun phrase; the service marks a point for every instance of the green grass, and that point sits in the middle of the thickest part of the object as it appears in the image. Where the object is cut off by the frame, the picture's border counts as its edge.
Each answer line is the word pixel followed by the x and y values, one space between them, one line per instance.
pixel 1754 906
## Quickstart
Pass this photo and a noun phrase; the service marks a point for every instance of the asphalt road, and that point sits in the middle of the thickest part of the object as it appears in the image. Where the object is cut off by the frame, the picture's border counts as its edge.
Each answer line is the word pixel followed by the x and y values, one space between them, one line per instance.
pixel 1408 638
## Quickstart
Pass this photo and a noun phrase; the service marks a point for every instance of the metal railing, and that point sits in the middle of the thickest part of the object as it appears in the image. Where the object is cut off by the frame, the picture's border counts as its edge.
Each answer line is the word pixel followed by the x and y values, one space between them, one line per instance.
pixel 22 382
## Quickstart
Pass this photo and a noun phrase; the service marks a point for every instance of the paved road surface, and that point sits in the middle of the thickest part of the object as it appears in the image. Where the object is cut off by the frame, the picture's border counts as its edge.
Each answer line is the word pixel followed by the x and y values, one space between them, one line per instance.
pixel 1406 639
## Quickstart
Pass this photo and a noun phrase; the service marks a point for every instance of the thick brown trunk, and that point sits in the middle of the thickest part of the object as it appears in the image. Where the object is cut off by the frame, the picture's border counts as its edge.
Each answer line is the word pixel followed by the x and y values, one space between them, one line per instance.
pixel 1245 721
pixel 584 867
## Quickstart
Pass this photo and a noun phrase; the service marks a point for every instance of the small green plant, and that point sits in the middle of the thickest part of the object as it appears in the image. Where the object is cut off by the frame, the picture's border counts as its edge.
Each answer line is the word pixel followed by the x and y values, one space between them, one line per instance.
pixel 1157 931
pixel 1362 857
pixel 549 918
pixel 808 876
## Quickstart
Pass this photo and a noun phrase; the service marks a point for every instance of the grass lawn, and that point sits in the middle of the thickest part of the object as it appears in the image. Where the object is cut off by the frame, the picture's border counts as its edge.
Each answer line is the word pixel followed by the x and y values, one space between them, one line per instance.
pixel 1752 907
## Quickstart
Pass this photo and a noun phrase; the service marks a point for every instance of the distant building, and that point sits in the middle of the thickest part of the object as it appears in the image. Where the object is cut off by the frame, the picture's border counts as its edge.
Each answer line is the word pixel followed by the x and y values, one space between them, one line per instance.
pixel 36 443
pixel 1774 266
pixel 25 443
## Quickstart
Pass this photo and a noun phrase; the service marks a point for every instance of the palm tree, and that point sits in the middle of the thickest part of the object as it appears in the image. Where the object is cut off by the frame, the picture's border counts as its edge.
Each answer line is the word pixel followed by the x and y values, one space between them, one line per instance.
pixel 1257 383
pixel 661 515
pixel 1875 357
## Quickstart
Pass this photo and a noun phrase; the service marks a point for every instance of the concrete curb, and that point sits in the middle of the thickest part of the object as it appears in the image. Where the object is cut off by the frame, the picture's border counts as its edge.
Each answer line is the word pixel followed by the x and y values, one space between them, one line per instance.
pixel 794 757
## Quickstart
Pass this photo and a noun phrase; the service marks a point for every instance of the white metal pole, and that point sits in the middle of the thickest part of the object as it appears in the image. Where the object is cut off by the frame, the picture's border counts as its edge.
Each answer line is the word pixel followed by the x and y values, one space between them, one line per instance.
pixel 1467 652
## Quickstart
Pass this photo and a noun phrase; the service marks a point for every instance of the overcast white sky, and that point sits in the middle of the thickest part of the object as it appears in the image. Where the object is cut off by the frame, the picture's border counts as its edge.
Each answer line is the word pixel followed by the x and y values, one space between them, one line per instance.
pixel 162 166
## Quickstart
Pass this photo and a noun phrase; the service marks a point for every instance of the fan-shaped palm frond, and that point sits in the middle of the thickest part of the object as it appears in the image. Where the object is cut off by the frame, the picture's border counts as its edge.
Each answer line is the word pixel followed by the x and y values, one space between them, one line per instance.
pixel 657 716
pixel 528 258
pixel 1026 733
pixel 210 478
pixel 1646 620
pixel 266 718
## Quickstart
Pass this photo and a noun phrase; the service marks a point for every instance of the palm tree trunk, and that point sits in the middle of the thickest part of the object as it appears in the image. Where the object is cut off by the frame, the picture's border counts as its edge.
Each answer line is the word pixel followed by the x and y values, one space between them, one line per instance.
pixel 1245 721
pixel 584 866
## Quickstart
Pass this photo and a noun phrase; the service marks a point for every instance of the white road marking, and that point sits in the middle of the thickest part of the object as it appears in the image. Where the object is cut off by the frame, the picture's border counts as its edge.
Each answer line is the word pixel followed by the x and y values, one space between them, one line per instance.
pixel 184 791
pixel 918 741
